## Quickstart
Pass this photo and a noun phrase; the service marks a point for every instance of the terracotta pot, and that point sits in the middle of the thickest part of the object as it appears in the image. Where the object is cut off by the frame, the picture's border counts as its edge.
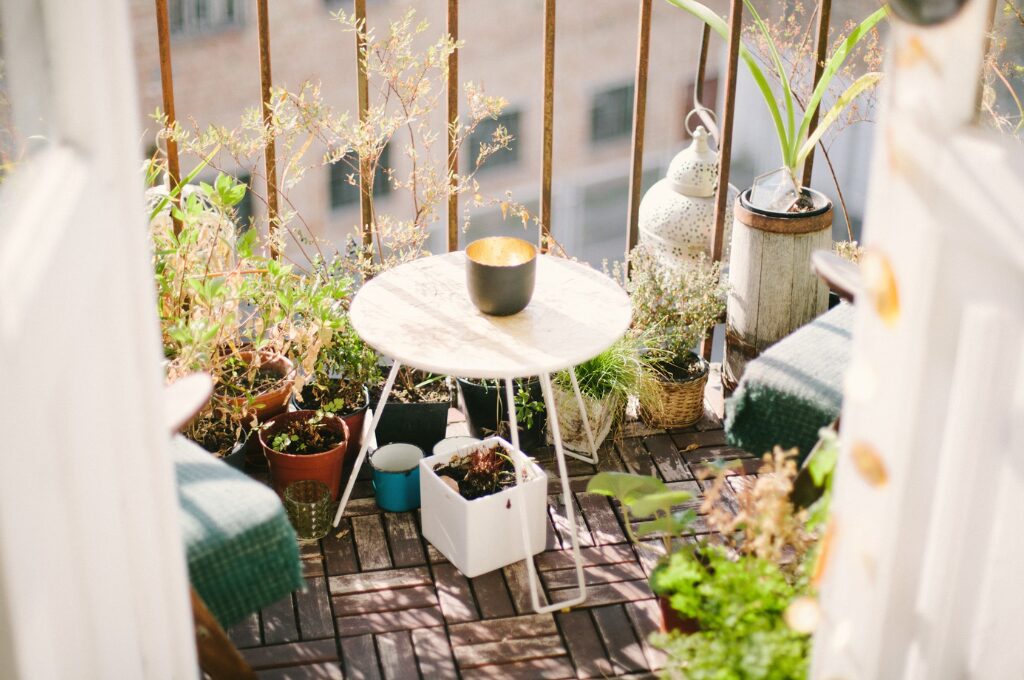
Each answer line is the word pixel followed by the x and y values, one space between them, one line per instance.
pixel 272 402
pixel 286 468
pixel 354 419
pixel 672 621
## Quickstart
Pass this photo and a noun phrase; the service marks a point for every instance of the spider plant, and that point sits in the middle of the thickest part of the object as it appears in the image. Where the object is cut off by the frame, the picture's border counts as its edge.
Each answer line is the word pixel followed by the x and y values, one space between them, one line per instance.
pixel 794 131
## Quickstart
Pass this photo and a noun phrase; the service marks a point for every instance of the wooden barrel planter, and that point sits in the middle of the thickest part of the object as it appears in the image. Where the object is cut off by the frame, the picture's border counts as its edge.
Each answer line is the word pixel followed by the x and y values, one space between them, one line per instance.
pixel 772 290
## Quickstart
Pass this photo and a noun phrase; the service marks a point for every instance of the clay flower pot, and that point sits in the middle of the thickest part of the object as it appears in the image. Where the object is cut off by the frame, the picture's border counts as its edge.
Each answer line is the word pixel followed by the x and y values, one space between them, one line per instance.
pixel 267 404
pixel 324 466
pixel 354 418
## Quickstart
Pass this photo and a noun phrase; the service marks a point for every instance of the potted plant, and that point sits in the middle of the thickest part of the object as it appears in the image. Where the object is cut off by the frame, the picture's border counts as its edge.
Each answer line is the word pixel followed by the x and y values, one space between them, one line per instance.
pixel 674 309
pixel 255 382
pixel 655 506
pixel 487 414
pixel 222 433
pixel 302 445
pixel 779 222
pixel 417 410
pixel 471 500
pixel 607 382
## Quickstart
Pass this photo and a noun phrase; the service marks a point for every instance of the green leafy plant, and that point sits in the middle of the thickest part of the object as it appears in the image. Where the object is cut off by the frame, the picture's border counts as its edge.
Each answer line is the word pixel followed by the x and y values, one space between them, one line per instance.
pixel 527 408
pixel 796 140
pixel 312 435
pixel 626 369
pixel 673 309
pixel 644 496
pixel 740 606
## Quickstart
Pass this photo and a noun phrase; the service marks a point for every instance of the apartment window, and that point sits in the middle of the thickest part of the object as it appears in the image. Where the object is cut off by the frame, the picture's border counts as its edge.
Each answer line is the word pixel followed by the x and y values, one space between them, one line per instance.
pixel 484 134
pixel 193 17
pixel 611 113
pixel 345 193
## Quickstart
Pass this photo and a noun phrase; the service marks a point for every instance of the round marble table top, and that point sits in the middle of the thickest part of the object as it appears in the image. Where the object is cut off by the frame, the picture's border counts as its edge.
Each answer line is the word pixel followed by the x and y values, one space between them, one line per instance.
pixel 420 315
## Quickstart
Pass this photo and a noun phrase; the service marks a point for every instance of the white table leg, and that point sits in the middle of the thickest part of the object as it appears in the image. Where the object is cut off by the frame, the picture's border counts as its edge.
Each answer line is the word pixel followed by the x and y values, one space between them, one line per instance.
pixel 592 459
pixel 360 459
pixel 556 435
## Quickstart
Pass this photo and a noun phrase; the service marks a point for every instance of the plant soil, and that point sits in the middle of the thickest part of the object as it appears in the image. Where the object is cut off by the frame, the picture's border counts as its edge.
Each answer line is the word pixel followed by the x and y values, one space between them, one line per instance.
pixel 317 395
pixel 683 368
pixel 309 438
pixel 480 474
pixel 409 388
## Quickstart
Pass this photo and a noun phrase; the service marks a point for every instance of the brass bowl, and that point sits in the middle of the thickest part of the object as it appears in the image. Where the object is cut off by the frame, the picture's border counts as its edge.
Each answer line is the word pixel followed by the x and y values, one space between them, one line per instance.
pixel 500 274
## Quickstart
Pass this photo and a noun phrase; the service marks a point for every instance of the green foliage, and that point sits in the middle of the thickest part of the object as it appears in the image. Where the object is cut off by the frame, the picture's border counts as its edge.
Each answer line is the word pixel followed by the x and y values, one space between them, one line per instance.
pixel 795 141
pixel 626 369
pixel 740 607
pixel 526 406
pixel 645 496
pixel 674 309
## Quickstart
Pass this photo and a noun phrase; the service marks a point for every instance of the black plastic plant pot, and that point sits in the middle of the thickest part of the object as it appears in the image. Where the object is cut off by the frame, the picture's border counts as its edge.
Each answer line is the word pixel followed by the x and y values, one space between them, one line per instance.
pixel 236 458
pixel 353 417
pixel 423 424
pixel 487 415
pixel 500 274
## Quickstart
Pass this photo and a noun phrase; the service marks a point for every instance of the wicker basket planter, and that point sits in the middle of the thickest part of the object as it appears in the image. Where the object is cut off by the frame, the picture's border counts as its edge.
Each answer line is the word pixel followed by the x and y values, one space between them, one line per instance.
pixel 681 402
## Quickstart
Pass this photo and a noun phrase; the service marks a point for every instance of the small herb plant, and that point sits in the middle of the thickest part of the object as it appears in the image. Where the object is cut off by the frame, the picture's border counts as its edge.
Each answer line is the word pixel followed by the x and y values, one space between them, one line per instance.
pixel 483 471
pixel 312 435
pixel 527 408
pixel 673 309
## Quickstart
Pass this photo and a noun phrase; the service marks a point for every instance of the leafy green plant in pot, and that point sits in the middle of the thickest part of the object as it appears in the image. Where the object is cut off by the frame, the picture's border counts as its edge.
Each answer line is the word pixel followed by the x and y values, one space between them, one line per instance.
pixel 778 222
pixel 607 383
pixel 303 445
pixel 750 592
pixel 487 414
pixel 654 507
pixel 673 309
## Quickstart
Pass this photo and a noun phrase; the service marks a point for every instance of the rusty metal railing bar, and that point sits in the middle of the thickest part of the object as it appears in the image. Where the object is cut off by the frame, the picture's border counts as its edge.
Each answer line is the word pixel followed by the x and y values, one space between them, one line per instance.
pixel 639 120
pixel 163 33
pixel 547 142
pixel 821 51
pixel 452 25
pixel 270 160
pixel 725 144
pixel 363 95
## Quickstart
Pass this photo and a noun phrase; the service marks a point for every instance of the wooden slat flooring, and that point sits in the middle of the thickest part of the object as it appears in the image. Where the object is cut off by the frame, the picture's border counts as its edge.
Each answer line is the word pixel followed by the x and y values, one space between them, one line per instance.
pixel 381 602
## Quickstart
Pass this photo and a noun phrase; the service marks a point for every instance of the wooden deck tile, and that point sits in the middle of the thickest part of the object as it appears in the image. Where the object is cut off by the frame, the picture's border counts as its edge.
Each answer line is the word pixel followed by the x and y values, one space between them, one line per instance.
pixel 623 648
pixel 312 558
pixel 594 575
pixel 386 580
pixel 646 619
pixel 560 521
pixel 339 549
pixel 291 654
pixel 454 594
pixel 508 651
pixel 707 453
pixel 584 644
pixel 279 623
pixel 314 608
pixel 397 658
pixel 389 621
pixel 479 632
pixel 602 554
pixel 318 671
pixel 404 539
pixel 492 595
pixel 604 525
pixel 636 457
pixel 667 458
pixel 246 633
pixel 433 653
pixel 608 593
pixel 371 545
pixel 518 579
pixel 384 601
pixel 688 441
pixel 359 656
pixel 554 668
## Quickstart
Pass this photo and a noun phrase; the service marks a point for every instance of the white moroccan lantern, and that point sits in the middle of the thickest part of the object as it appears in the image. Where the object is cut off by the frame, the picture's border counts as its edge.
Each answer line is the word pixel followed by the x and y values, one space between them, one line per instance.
pixel 677 214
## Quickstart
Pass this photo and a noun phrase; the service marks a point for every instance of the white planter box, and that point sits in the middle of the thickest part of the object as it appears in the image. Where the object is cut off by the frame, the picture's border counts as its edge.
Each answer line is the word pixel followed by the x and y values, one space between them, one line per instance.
pixel 485 534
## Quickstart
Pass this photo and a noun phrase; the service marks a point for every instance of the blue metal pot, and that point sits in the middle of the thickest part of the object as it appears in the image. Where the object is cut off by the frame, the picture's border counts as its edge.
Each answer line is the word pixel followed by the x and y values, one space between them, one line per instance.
pixel 396 477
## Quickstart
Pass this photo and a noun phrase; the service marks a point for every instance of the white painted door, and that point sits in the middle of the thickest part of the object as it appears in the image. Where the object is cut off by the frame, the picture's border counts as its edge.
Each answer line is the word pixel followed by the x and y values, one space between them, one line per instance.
pixel 925 579
pixel 92 575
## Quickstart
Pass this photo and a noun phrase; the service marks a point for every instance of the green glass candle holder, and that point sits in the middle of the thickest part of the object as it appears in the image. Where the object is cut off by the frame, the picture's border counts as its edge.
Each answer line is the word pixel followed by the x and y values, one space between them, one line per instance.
pixel 308 504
